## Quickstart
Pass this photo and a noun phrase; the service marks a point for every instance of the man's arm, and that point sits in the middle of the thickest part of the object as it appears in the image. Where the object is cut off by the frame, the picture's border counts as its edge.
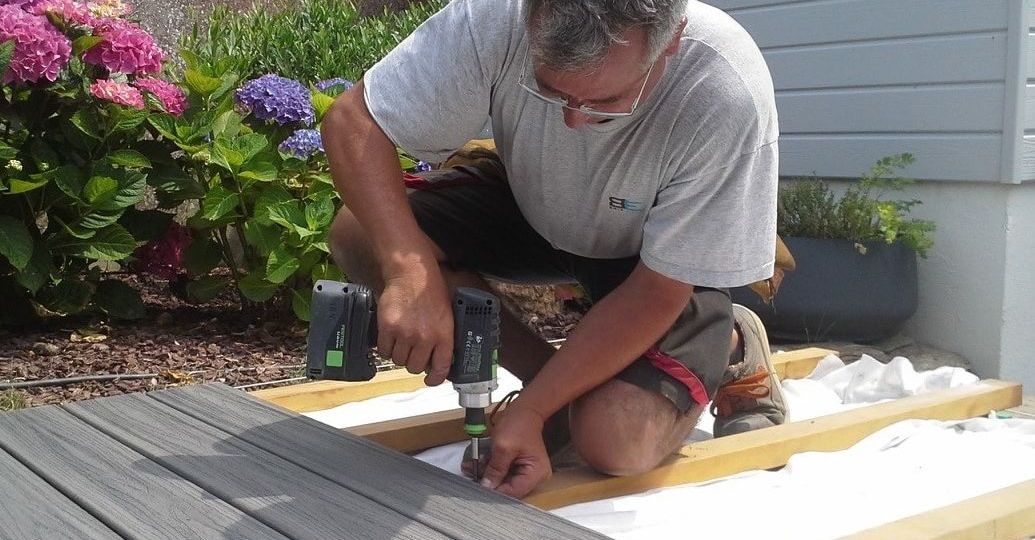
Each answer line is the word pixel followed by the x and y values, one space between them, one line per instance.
pixel 616 331
pixel 414 317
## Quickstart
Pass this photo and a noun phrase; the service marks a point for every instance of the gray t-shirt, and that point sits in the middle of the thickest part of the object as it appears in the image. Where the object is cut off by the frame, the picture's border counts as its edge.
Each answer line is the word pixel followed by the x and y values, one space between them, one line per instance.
pixel 688 182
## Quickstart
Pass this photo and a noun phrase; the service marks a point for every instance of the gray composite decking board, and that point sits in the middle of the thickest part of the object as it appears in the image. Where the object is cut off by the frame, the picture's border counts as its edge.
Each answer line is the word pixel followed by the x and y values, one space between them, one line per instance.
pixel 443 501
pixel 31 509
pixel 288 498
pixel 132 495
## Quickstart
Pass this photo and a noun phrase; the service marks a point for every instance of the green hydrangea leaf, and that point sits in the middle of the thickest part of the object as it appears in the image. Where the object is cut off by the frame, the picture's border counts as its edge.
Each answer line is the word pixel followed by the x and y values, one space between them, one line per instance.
pixel 202 256
pixel 319 213
pixel 99 189
pixel 281 265
pixel 36 274
pixel 118 300
pixel 18 185
pixel 15 242
pixel 199 83
pixel 257 289
pixel 6 53
pixel 300 304
pixel 67 297
pixel 206 288
pixel 219 202
pixel 263 236
pixel 128 157
pixel 112 243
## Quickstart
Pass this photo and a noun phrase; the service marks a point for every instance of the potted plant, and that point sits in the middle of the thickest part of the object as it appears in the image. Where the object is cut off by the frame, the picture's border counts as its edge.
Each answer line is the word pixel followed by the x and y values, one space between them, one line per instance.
pixel 856 277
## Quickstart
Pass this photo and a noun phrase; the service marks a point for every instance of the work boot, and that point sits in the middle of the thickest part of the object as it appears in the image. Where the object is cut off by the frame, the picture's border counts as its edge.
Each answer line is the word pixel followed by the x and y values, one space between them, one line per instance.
pixel 750 396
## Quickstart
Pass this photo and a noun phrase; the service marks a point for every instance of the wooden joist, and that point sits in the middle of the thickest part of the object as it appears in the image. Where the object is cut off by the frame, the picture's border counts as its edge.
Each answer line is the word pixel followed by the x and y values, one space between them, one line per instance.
pixel 321 395
pixel 772 447
pixel 428 430
pixel 1005 514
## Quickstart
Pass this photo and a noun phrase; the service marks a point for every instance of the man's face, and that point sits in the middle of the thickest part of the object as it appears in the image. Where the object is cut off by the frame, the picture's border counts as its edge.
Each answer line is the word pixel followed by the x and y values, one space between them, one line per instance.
pixel 612 87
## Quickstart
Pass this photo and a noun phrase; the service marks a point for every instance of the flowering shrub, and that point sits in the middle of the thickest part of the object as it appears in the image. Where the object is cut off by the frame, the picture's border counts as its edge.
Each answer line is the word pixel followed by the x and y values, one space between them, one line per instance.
pixel 267 198
pixel 76 157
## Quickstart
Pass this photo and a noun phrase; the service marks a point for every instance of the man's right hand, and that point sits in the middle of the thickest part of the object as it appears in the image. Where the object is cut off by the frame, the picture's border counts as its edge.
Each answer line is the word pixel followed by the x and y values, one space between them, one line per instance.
pixel 415 322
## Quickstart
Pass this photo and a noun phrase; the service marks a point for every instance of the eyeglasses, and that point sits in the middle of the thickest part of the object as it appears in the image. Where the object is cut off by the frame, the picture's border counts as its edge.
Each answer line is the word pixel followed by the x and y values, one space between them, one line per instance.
pixel 532 87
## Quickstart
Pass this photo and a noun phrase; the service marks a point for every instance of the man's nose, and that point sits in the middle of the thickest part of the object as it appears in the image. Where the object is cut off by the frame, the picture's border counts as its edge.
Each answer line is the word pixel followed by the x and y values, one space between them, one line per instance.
pixel 575 119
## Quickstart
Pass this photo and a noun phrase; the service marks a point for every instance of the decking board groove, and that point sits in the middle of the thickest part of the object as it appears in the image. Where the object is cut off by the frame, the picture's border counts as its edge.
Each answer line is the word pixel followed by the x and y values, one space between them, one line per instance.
pixel 288 498
pixel 440 500
pixel 22 494
pixel 130 494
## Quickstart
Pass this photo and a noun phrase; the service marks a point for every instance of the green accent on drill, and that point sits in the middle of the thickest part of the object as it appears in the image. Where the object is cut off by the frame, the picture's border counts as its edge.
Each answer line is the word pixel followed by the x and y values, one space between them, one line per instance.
pixel 475 430
pixel 334 358
pixel 495 361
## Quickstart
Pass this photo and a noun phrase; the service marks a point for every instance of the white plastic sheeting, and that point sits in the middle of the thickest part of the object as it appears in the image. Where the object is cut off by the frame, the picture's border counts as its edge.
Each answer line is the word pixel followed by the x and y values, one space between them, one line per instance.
pixel 905 469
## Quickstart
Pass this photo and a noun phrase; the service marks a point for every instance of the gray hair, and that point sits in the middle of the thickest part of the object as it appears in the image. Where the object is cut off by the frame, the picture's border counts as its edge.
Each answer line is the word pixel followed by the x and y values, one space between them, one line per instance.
pixel 571 35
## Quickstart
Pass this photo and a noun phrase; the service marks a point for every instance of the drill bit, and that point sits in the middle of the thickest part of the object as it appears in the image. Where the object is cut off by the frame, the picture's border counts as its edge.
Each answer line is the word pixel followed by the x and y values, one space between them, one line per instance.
pixel 474 425
pixel 477 458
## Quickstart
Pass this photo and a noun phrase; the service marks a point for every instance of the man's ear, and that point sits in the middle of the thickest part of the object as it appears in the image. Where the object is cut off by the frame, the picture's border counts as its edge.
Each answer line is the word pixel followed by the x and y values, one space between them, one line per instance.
pixel 673 45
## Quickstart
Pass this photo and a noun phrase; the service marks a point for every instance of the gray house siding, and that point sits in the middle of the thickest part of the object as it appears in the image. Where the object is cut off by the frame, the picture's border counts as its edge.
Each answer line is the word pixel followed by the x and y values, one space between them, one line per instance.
pixel 860 79
pixel 1028 150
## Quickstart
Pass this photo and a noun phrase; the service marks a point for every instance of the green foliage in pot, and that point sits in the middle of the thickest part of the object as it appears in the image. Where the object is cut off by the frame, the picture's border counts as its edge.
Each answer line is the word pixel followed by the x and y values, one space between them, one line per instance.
pixel 809 208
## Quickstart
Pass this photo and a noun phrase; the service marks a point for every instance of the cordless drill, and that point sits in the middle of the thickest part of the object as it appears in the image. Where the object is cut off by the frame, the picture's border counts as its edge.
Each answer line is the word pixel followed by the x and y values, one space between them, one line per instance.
pixel 343 333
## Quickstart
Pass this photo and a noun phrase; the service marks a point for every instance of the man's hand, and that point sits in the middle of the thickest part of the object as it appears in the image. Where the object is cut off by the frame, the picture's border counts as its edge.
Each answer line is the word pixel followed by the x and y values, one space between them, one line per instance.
pixel 415 323
pixel 519 461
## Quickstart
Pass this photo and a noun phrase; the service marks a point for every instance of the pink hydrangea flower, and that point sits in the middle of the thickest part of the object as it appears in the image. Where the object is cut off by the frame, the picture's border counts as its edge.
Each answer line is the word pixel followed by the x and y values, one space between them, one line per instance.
pixel 117 92
pixel 24 4
pixel 110 8
pixel 70 11
pixel 173 100
pixel 126 48
pixel 163 257
pixel 40 50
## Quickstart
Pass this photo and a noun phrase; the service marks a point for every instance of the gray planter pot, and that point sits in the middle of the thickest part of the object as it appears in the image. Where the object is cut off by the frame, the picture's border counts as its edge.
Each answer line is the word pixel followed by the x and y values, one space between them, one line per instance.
pixel 837 293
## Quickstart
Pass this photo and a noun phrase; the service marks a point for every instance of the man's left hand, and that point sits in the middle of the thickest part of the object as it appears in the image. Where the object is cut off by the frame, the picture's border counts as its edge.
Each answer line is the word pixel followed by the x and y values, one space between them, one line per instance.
pixel 519 461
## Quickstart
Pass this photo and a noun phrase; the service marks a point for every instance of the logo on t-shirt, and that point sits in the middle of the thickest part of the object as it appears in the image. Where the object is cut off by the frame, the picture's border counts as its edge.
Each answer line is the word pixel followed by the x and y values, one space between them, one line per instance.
pixel 625 205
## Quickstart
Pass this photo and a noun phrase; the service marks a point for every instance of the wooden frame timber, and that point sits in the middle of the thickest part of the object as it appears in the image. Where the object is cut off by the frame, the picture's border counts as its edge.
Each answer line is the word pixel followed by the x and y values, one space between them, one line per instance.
pixel 1005 514
pixel 321 395
pixel 772 447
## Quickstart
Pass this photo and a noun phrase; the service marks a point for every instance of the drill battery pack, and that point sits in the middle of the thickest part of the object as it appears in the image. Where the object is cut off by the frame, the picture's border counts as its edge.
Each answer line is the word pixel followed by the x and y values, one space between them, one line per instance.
pixel 342 332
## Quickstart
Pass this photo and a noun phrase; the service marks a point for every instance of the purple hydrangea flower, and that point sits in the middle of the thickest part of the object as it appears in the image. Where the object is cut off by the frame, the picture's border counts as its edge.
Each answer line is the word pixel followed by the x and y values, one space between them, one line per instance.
pixel 336 84
pixel 302 143
pixel 271 97
pixel 422 166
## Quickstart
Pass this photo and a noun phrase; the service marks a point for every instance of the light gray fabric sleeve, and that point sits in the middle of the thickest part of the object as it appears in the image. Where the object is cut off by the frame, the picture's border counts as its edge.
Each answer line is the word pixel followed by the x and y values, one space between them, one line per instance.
pixel 717 229
pixel 431 94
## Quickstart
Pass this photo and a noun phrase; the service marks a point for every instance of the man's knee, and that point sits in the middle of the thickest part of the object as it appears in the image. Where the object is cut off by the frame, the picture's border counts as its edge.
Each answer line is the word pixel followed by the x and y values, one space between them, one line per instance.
pixel 621 429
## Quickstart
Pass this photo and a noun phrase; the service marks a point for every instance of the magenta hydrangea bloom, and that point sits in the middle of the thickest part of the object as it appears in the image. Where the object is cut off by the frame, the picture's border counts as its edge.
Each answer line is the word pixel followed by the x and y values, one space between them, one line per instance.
pixel 117 92
pixel 71 12
pixel 126 48
pixel 173 100
pixel 24 4
pixel 163 257
pixel 40 50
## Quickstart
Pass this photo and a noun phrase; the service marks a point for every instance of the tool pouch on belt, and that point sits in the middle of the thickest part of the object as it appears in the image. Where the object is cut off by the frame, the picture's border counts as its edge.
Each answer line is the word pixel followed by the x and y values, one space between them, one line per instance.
pixel 481 154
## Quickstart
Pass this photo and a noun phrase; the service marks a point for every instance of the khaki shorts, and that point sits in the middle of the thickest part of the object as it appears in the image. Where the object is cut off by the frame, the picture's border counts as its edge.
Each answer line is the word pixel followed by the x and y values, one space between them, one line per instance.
pixel 470 213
